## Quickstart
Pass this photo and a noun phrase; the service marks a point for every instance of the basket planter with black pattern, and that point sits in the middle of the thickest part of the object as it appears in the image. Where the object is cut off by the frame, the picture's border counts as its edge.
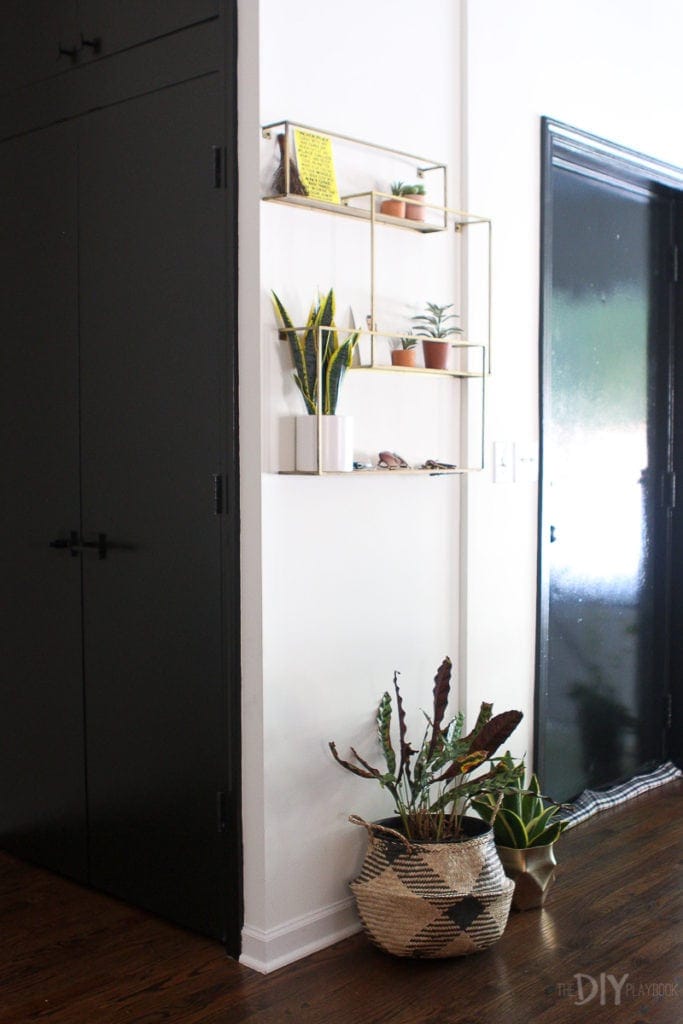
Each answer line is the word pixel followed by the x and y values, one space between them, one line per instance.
pixel 432 899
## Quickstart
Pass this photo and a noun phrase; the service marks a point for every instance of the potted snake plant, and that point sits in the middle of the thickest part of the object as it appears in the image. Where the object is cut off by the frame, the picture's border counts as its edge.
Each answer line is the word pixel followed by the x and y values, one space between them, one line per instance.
pixel 432 884
pixel 324 440
pixel 525 828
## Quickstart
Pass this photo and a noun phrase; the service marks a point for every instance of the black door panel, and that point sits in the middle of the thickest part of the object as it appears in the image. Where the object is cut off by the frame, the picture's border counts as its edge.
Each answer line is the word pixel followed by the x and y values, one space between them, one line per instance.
pixel 603 668
pixel 42 806
pixel 152 238
pixel 119 760
pixel 114 25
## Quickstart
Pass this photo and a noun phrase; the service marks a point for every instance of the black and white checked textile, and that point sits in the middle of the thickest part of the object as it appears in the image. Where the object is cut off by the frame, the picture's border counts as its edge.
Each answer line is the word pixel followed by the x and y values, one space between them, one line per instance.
pixel 591 801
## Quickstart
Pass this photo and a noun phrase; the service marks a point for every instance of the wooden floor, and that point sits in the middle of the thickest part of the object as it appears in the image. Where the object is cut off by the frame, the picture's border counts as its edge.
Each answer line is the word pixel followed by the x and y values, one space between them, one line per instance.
pixel 70 956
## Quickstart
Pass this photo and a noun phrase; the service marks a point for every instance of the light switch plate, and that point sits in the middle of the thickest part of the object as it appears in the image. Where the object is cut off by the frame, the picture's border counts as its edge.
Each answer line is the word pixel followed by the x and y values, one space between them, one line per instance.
pixel 503 462
pixel 526 462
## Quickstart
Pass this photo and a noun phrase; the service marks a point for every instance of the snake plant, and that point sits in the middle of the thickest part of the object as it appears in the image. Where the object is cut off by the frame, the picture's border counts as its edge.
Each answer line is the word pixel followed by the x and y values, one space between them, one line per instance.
pixel 521 818
pixel 321 334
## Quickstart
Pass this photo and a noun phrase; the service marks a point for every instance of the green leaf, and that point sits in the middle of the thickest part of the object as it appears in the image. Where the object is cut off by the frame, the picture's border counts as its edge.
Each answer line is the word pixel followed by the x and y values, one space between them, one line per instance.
pixel 484 805
pixel 539 825
pixel 338 362
pixel 551 835
pixel 509 830
pixel 301 368
pixel 485 712
pixel 384 732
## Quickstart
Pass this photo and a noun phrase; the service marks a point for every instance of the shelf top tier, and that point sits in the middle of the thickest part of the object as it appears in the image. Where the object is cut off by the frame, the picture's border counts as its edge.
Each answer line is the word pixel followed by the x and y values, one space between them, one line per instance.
pixel 301 162
pixel 269 131
pixel 448 217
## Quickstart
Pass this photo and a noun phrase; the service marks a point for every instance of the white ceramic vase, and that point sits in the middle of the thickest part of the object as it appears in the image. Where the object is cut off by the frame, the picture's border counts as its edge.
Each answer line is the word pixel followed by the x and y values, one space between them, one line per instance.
pixel 337 444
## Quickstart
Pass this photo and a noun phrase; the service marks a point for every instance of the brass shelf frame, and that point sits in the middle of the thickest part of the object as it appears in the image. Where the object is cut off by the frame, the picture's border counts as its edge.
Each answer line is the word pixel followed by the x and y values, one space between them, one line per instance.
pixel 373 367
pixel 423 164
pixel 363 206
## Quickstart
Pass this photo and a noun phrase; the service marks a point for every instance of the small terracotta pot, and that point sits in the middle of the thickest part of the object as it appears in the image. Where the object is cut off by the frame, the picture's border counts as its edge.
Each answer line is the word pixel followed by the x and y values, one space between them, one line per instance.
pixel 436 353
pixel 393 207
pixel 415 210
pixel 403 357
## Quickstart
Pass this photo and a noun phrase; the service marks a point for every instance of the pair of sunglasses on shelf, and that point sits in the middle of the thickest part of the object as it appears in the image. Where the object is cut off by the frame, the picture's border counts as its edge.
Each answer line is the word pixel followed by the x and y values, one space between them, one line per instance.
pixel 391 460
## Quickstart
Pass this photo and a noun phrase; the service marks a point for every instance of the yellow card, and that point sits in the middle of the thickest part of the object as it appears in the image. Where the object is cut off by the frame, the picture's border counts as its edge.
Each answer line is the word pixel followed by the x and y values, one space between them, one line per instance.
pixel 316 165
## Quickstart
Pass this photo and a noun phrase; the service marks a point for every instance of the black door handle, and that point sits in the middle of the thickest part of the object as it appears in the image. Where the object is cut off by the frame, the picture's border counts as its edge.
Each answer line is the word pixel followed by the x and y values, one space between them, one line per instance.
pixel 74 545
pixel 70 543
pixel 100 544
pixel 95 43
pixel 553 535
pixel 69 51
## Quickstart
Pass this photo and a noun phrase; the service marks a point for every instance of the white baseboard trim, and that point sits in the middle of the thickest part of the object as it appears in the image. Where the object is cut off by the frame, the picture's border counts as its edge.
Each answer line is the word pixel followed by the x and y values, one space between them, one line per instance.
pixel 267 951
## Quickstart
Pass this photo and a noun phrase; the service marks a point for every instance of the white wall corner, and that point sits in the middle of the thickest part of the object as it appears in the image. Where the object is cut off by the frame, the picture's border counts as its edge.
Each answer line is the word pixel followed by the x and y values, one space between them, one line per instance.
pixel 250 374
pixel 268 950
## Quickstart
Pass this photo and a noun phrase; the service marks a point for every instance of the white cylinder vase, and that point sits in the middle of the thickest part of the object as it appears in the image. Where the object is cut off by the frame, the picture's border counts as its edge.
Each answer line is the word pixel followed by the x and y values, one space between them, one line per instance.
pixel 337 444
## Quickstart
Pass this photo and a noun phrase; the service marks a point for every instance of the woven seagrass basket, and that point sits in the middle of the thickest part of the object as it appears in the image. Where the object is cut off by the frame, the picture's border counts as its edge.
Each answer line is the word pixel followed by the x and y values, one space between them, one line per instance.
pixel 432 899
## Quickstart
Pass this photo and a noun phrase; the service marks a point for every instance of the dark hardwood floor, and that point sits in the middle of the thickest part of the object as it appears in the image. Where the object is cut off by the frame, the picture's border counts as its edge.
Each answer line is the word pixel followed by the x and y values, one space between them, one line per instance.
pixel 71 956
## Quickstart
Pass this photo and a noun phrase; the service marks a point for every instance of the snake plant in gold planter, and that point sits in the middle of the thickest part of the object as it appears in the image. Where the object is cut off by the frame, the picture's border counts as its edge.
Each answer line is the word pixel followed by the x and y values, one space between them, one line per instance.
pixel 526 828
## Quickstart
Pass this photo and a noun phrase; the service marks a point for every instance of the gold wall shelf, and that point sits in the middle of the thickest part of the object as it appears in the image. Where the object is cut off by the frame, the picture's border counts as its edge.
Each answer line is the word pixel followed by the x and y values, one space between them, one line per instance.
pixel 364 206
pixel 463 348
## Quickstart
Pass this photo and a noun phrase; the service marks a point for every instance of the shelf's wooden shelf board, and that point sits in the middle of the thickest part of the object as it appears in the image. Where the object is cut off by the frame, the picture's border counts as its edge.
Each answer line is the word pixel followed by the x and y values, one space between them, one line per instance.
pixel 384 472
pixel 343 209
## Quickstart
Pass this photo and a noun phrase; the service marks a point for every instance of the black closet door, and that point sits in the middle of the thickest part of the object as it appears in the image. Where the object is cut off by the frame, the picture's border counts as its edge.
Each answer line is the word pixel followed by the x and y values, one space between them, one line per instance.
pixel 152 264
pixel 119 24
pixel 34 34
pixel 42 787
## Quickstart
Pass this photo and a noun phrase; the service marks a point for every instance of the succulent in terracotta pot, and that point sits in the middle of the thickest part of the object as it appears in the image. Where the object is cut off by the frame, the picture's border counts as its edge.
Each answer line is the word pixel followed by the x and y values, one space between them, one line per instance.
pixel 436 326
pixel 395 207
pixel 415 197
pixel 406 352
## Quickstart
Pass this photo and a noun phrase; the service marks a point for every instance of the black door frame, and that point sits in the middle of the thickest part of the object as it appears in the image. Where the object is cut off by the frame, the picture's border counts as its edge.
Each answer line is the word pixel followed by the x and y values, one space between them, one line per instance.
pixel 230 521
pixel 563 144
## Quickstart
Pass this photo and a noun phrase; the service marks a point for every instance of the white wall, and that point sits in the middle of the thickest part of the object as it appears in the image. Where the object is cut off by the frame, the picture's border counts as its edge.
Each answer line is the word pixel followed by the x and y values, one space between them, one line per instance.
pixel 345 580
pixel 358 576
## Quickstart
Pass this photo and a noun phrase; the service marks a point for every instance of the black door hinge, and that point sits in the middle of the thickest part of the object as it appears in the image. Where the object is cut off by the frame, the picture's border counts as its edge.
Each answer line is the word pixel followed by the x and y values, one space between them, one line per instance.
pixel 220 159
pixel 674 264
pixel 221 812
pixel 668 711
pixel 218 501
pixel 668 493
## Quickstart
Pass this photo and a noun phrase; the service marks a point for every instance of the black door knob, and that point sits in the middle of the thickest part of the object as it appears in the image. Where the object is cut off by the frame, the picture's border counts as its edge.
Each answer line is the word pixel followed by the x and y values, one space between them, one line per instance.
pixel 70 543
pixel 95 43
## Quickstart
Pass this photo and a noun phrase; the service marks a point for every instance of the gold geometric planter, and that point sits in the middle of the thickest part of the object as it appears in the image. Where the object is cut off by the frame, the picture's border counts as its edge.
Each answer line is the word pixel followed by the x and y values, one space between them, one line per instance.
pixel 533 872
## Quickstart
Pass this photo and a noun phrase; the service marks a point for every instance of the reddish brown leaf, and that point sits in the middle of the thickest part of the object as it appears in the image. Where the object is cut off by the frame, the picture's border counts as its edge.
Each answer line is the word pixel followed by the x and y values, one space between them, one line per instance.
pixel 442 688
pixel 496 731
pixel 375 773
pixel 406 749
pixel 463 765
pixel 370 774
